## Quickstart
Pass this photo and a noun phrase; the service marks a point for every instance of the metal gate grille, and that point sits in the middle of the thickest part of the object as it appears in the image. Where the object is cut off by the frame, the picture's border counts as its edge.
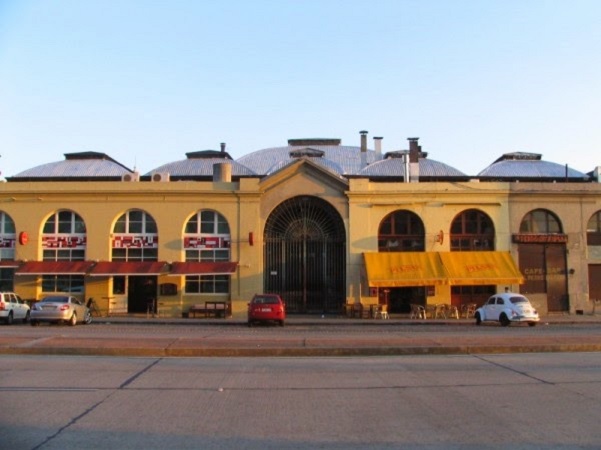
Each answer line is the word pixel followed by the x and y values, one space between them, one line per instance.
pixel 305 255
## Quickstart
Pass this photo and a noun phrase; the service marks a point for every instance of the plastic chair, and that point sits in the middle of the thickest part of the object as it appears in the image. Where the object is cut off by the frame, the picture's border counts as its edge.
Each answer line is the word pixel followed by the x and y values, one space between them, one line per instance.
pixel 381 312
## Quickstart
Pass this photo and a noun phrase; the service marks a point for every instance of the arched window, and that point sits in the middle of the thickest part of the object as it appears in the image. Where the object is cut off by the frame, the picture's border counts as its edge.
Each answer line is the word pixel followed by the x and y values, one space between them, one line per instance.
pixel 401 231
pixel 472 230
pixel 207 238
pixel 7 250
pixel 540 221
pixel 7 237
pixel 135 237
pixel 593 229
pixel 63 239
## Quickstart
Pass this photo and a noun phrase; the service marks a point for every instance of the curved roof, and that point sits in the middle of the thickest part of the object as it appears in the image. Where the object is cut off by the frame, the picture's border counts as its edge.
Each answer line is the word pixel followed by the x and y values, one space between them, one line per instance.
pixel 78 165
pixel 200 164
pixel 394 166
pixel 521 165
pixel 346 159
pixel 325 163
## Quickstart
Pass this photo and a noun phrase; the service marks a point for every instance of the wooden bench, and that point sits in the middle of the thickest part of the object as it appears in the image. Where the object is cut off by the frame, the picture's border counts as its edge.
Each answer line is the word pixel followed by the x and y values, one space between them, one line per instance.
pixel 208 309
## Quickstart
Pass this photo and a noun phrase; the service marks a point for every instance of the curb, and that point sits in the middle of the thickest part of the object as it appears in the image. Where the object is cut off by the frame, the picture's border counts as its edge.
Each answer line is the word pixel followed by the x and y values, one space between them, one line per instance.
pixel 302 352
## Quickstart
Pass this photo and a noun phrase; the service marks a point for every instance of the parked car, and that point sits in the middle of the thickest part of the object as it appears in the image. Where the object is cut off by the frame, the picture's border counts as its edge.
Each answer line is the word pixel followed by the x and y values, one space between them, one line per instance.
pixel 12 308
pixel 60 308
pixel 266 308
pixel 506 308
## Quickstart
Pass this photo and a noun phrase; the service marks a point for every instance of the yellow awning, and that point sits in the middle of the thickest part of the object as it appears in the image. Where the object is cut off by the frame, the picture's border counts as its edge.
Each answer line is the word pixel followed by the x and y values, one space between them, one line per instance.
pixel 394 269
pixel 480 268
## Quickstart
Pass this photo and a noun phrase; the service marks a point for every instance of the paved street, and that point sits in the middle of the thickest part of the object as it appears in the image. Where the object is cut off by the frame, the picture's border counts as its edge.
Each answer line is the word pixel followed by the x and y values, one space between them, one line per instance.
pixel 517 401
pixel 301 337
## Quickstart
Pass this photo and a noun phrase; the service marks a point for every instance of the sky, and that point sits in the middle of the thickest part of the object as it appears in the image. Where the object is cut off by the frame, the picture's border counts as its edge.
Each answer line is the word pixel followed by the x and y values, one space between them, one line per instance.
pixel 148 81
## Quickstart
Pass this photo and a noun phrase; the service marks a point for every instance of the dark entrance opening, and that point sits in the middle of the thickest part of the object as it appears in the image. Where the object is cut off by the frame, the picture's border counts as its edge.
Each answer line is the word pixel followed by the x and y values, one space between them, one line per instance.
pixel 305 256
pixel 142 294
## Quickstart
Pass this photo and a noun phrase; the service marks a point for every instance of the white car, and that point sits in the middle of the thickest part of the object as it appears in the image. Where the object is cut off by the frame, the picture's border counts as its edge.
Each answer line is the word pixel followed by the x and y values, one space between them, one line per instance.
pixel 506 308
pixel 12 308
pixel 60 308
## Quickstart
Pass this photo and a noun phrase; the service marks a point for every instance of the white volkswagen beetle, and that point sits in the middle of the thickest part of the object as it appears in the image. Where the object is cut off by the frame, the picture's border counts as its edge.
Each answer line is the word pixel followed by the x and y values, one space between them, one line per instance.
pixel 505 308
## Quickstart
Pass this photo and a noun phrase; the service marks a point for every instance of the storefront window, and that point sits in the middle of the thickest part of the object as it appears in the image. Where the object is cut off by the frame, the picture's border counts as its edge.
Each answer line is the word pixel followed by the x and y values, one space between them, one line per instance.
pixel 472 230
pixel 207 238
pixel 7 237
pixel 401 231
pixel 135 237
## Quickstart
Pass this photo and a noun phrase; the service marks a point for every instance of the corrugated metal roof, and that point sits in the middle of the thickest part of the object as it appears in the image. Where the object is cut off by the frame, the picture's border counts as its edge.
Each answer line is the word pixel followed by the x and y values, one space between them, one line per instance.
pixel 78 165
pixel 533 168
pixel 75 169
pixel 326 163
pixel 345 157
pixel 394 167
pixel 200 167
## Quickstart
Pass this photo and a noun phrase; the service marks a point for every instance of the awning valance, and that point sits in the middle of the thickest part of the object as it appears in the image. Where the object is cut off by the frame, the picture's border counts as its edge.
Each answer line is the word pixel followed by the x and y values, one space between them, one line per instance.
pixel 480 268
pixel 9 263
pixel 203 268
pixel 109 268
pixel 395 269
pixel 54 268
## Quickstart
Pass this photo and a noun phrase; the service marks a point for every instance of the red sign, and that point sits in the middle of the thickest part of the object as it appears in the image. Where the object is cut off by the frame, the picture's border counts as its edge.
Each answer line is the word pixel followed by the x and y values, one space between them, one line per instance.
pixel 540 238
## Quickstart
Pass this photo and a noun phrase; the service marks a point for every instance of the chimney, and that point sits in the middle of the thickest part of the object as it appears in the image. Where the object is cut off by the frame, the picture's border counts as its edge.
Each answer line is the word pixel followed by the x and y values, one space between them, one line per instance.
pixel 363 148
pixel 222 172
pixel 223 147
pixel 363 141
pixel 378 147
pixel 414 151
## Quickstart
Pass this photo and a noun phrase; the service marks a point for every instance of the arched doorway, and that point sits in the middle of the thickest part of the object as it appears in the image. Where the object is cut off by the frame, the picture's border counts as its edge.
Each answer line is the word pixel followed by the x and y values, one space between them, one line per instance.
pixel 305 256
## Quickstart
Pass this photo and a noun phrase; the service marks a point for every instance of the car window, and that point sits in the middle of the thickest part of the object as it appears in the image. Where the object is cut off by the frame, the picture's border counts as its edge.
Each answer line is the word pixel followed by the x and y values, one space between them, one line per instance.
pixel 500 301
pixel 515 300
pixel 491 301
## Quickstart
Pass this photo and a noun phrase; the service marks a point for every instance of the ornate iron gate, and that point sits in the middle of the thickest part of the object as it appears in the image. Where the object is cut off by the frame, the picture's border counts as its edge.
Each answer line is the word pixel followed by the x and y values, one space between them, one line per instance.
pixel 305 257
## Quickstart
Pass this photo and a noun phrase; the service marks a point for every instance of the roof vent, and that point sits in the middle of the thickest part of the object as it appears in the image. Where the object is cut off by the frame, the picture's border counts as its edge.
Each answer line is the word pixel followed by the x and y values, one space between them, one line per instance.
pixel 307 151
pixel 313 141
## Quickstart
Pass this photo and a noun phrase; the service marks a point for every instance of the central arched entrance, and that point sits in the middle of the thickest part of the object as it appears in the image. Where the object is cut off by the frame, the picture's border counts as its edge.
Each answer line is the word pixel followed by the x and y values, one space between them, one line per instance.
pixel 305 256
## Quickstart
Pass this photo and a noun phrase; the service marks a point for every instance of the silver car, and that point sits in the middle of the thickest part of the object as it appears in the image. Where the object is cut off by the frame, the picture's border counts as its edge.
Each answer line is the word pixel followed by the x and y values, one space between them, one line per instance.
pixel 506 308
pixel 60 308
pixel 12 308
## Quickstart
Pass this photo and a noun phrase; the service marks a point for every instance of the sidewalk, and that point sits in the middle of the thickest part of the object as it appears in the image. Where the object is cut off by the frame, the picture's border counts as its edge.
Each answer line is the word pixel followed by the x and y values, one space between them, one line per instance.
pixel 309 336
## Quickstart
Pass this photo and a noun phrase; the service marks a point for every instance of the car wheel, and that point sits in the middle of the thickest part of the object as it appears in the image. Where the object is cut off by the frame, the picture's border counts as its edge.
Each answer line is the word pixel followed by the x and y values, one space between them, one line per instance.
pixel 478 319
pixel 504 320
pixel 73 320
pixel 250 323
pixel 26 319
pixel 9 318
pixel 87 319
pixel 34 323
pixel 531 324
pixel 281 323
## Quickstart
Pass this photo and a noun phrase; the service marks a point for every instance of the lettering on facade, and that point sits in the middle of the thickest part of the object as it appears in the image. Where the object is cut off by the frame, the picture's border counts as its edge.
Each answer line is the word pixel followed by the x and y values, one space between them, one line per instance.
pixel 7 243
pixel 63 241
pixel 135 241
pixel 405 268
pixel 540 238
pixel 539 274
pixel 479 267
pixel 206 242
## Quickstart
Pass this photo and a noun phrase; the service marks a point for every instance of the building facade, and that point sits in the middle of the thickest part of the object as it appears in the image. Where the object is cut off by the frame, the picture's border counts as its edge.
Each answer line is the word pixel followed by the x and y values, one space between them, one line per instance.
pixel 322 224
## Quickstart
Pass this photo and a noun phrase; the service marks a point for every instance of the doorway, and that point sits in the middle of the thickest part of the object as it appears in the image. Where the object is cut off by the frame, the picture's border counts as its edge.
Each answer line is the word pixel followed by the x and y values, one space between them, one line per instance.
pixel 141 294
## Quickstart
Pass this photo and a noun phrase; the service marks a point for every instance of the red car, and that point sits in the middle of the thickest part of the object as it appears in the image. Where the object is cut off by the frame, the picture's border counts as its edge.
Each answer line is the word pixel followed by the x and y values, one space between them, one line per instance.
pixel 266 308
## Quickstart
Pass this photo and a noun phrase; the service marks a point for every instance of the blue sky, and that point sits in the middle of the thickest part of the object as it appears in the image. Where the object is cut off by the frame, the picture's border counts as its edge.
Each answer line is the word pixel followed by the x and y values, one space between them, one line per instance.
pixel 148 81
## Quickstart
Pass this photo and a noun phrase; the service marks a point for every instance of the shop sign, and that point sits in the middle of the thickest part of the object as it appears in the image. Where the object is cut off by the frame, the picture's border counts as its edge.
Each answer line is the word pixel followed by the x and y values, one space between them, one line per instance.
pixel 540 238
pixel 135 241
